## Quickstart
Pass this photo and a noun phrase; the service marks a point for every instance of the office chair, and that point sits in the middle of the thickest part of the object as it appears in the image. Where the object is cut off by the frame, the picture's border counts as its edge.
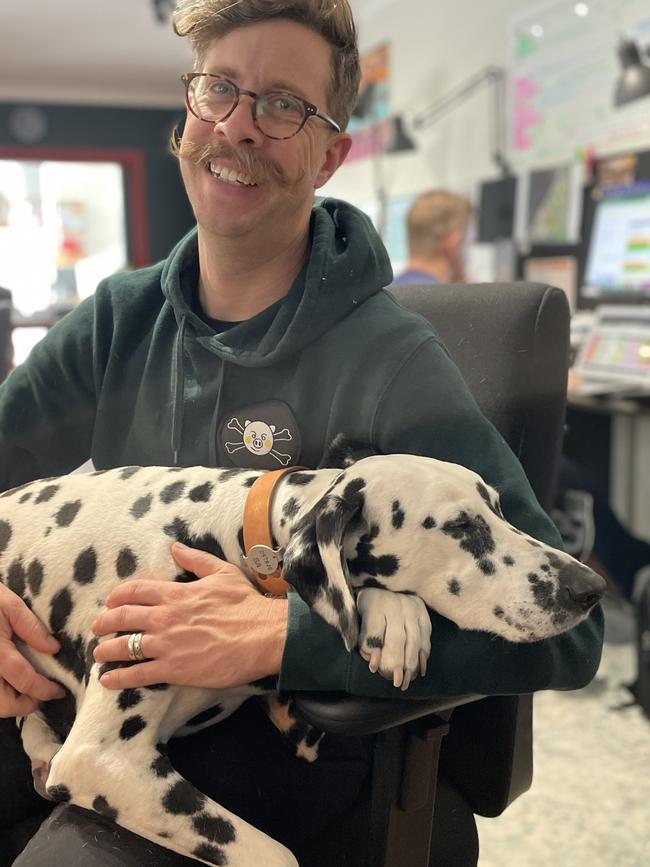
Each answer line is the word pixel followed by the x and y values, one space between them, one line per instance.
pixel 5 332
pixel 511 343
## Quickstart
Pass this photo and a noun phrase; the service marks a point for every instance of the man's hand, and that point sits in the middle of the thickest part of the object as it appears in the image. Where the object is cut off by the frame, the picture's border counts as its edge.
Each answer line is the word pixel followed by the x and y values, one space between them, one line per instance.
pixel 21 687
pixel 215 632
pixel 395 635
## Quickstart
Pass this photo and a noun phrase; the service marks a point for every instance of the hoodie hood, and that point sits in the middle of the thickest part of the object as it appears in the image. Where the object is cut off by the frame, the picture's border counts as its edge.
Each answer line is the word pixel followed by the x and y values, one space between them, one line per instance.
pixel 347 264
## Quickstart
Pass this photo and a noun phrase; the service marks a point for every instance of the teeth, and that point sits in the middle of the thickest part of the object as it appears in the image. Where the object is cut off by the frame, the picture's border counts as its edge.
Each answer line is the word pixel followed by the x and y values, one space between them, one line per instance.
pixel 230 176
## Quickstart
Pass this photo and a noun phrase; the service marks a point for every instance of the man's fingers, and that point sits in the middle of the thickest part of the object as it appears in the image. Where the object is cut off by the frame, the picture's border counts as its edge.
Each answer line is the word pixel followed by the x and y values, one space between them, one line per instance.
pixel 137 592
pixel 199 562
pixel 26 625
pixel 14 704
pixel 143 674
pixel 117 649
pixel 126 618
pixel 20 675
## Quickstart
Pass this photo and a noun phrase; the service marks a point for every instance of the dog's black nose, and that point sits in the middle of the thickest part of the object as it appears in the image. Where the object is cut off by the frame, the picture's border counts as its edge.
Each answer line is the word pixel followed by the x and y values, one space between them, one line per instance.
pixel 580 587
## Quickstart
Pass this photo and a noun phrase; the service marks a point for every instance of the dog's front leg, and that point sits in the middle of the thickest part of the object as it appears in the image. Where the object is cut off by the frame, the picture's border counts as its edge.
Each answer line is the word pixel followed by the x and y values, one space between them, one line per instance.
pixel 41 744
pixel 395 636
pixel 111 763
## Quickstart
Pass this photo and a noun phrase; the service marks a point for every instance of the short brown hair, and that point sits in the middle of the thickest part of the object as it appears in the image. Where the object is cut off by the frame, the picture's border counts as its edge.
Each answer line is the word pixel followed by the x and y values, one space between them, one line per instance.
pixel 433 216
pixel 203 21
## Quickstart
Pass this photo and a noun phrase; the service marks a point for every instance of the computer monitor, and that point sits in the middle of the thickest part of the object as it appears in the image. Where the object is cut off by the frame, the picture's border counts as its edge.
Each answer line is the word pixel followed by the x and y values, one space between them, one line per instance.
pixel 496 209
pixel 618 259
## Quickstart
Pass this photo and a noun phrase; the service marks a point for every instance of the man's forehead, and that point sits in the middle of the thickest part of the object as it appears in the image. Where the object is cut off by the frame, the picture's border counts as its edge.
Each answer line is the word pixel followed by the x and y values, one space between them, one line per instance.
pixel 278 54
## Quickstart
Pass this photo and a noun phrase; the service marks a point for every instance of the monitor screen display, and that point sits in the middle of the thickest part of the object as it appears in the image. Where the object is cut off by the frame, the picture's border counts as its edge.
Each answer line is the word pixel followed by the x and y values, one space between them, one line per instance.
pixel 618 262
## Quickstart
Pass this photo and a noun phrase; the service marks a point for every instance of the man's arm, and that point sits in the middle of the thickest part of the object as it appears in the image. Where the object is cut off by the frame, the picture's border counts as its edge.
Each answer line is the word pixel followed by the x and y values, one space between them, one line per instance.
pixel 428 410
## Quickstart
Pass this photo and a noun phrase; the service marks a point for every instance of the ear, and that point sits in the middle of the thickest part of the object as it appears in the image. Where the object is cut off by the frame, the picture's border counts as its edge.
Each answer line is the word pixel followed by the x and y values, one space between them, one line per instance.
pixel 314 564
pixel 343 452
pixel 336 151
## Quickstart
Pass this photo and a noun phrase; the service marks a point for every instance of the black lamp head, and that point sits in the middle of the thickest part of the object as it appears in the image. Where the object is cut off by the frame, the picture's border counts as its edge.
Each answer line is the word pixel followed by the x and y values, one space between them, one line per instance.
pixel 397 139
pixel 634 81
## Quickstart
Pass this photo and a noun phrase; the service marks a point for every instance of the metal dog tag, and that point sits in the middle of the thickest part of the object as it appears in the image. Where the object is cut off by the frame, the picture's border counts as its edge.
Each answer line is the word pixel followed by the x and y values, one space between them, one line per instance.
pixel 264 560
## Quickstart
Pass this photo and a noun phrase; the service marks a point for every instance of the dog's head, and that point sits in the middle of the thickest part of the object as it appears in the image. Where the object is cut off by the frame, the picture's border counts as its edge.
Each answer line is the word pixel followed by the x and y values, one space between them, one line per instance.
pixel 418 525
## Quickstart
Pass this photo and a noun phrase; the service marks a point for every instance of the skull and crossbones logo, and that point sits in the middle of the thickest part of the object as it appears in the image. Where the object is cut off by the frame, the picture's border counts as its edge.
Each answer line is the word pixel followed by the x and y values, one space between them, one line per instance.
pixel 259 439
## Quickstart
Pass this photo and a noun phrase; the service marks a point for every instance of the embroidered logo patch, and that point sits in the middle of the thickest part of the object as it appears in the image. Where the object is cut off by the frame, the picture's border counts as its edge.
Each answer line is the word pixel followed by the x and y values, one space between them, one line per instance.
pixel 262 436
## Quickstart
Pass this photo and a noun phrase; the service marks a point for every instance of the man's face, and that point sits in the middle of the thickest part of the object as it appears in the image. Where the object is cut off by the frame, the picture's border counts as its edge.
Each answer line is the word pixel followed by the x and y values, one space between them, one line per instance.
pixel 274 55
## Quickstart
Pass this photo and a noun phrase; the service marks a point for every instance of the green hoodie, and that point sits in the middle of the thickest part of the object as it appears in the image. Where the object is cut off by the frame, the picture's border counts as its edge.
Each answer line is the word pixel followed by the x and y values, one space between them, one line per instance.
pixel 135 376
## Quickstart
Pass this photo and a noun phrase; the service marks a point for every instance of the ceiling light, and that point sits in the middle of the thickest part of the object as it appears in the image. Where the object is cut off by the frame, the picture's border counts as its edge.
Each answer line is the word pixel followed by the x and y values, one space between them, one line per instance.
pixel 537 31
pixel 581 9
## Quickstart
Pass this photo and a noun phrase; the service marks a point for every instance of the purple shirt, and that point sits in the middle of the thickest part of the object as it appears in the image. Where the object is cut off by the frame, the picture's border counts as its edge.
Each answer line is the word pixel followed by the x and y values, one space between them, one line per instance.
pixel 414 276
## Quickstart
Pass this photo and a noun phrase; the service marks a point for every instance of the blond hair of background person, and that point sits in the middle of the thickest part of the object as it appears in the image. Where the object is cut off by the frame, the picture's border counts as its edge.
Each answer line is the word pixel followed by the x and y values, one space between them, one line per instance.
pixel 438 226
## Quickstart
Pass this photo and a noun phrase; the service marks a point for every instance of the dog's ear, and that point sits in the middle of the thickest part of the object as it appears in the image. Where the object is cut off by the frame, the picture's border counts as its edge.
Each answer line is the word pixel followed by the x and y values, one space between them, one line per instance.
pixel 314 562
pixel 342 452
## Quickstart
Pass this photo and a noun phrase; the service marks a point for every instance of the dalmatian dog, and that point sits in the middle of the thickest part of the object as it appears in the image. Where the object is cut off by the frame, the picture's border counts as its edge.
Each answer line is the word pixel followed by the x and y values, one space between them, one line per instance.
pixel 388 528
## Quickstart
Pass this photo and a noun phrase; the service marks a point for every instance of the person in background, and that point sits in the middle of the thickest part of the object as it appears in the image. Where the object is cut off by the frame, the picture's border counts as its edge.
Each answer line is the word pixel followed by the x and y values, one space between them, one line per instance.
pixel 253 307
pixel 439 226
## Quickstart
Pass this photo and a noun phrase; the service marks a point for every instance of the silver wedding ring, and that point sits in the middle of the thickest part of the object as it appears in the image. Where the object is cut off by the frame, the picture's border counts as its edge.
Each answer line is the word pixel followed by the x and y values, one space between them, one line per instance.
pixel 135 646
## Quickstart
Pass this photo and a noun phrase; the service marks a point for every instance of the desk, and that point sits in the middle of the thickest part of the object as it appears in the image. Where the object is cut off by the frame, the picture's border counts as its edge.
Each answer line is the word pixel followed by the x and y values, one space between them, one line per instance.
pixel 629 455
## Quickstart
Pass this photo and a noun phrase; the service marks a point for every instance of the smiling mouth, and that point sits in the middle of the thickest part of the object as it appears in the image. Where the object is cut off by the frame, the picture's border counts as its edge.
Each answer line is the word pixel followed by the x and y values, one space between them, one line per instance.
pixel 230 176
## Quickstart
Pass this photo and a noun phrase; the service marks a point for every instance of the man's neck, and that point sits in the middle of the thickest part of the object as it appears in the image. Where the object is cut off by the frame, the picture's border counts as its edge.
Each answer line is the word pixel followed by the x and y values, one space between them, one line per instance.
pixel 236 283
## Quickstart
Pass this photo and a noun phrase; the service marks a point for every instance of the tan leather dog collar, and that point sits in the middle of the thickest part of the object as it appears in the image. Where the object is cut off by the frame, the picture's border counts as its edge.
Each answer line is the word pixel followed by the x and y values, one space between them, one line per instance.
pixel 262 559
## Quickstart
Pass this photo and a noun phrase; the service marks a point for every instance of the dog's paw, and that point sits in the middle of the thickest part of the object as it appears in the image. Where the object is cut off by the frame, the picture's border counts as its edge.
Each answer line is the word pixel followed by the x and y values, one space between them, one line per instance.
pixel 395 637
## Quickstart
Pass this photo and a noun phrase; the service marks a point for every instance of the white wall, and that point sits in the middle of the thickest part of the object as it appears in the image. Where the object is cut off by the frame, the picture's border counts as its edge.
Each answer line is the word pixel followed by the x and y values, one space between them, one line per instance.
pixel 435 45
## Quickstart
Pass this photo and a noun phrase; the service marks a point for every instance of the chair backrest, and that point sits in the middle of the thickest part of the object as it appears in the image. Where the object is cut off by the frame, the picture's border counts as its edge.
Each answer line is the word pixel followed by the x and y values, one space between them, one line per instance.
pixel 511 344
pixel 5 331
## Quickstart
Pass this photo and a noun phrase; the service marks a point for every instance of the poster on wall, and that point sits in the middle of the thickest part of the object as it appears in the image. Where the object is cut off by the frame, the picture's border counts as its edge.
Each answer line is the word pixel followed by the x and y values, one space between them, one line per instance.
pixel 369 120
pixel 564 69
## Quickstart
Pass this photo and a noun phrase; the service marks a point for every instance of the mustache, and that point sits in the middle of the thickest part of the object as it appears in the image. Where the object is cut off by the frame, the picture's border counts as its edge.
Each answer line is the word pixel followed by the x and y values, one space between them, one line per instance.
pixel 261 171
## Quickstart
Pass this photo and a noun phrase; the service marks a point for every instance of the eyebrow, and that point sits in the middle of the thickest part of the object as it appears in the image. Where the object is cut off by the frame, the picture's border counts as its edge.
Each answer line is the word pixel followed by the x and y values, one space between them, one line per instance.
pixel 278 84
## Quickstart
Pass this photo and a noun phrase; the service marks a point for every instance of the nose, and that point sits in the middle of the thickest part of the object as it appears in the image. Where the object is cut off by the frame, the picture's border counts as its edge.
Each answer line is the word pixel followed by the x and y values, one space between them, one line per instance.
pixel 239 128
pixel 580 587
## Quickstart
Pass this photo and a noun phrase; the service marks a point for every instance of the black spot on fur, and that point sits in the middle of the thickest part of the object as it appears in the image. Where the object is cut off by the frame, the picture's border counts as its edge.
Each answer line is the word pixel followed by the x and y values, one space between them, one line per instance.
pixel 5 535
pixel 533 543
pixel 185 577
pixel 299 478
pixel 495 506
pixel 291 508
pixel 474 534
pixel 15 490
pixel 545 567
pixel 16 577
pixel 201 493
pixel 178 530
pixel 250 481
pixel 72 655
pixel 508 560
pixel 157 687
pixel 60 715
pixel 205 715
pixel 128 698
pixel 173 492
pixel 398 515
pixel 126 563
pixel 365 561
pixel 101 806
pixel 141 506
pixel 35 576
pixel 372 582
pixel 90 659
pixel 128 472
pixel 105 667
pixel 46 494
pixel 373 641
pixel 336 598
pixel 429 523
pixel 240 539
pixel 454 587
pixel 343 452
pixel 210 853
pixel 499 612
pixel 182 799
pixel 487 567
pixel 26 496
pixel 162 767
pixel 543 592
pixel 60 608
pixel 214 828
pixel 67 513
pixel 60 794
pixel 131 727
pixel 229 474
pixel 85 566
pixel 267 684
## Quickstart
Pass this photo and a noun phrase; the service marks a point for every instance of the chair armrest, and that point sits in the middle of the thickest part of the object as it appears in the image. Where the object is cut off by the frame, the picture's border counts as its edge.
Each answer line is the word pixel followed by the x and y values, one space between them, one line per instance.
pixel 343 714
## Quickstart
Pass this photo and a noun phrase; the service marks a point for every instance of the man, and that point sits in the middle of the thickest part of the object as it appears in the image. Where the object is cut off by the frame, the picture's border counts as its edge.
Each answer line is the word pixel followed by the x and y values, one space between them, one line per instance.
pixel 438 225
pixel 248 319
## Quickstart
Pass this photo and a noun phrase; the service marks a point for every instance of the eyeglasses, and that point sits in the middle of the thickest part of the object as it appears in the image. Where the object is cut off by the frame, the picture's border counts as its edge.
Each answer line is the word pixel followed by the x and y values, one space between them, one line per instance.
pixel 277 114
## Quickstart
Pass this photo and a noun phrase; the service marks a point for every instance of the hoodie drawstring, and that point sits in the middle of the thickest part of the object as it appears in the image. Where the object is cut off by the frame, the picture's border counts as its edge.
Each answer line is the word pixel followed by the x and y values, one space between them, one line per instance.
pixel 212 442
pixel 178 382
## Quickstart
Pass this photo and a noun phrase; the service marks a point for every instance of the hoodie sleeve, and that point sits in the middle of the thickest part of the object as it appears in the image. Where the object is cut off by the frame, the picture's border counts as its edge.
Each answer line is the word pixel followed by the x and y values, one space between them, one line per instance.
pixel 48 403
pixel 409 419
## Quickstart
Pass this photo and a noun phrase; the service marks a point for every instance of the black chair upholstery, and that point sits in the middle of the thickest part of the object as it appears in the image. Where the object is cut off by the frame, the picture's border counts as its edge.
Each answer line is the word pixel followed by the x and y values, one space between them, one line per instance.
pixel 5 332
pixel 511 343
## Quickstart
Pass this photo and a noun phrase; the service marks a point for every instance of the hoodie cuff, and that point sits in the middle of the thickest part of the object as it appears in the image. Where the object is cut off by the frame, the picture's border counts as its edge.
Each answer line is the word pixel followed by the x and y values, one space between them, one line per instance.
pixel 314 657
